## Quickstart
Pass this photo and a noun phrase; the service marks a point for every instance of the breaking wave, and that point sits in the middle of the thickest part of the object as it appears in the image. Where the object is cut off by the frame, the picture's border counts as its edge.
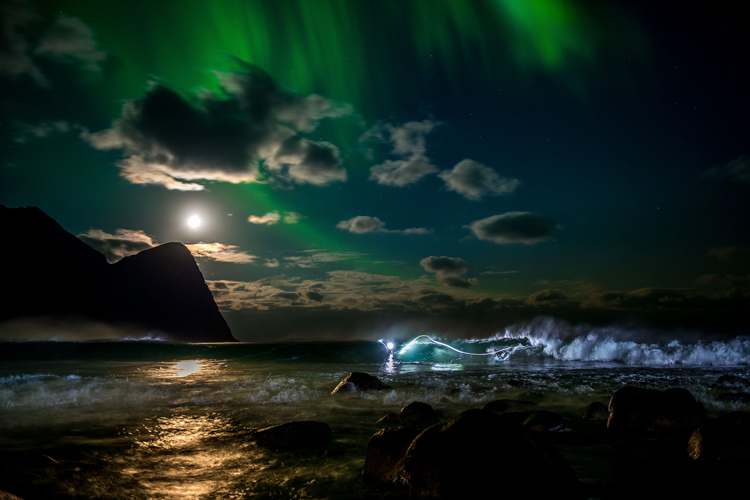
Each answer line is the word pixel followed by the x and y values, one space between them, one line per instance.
pixel 563 342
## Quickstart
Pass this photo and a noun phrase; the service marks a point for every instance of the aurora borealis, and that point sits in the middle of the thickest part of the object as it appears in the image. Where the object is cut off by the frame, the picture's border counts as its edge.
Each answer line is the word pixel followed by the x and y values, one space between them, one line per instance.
pixel 360 166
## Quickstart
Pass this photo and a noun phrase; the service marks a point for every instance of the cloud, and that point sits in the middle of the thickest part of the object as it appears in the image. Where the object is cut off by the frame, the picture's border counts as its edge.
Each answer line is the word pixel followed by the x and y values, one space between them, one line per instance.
pixel 362 224
pixel 250 132
pixel 70 40
pixel 220 253
pixel 25 36
pixel 514 227
pixel 729 254
pixel 549 295
pixel 726 281
pixel 409 144
pixel 407 139
pixel 314 258
pixel 27 132
pixel 272 263
pixel 474 181
pixel 123 243
pixel 448 271
pixel 736 170
pixel 272 218
pixel 401 173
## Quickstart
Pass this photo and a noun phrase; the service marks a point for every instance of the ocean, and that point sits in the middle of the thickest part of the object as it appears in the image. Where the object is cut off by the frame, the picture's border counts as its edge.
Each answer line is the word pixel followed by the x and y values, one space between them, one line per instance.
pixel 143 419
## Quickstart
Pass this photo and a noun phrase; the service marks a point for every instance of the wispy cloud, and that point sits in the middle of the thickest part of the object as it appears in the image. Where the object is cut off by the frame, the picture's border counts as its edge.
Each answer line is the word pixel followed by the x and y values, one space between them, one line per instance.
pixel 272 218
pixel 221 253
pixel 363 224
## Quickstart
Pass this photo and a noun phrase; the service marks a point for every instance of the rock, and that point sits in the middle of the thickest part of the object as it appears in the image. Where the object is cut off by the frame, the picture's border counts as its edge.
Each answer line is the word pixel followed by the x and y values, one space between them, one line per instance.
pixel 478 454
pixel 384 465
pixel 358 381
pixel 298 434
pixel 160 288
pixel 391 419
pixel 637 410
pixel 595 411
pixel 544 421
pixel 722 440
pixel 417 414
pixel 508 405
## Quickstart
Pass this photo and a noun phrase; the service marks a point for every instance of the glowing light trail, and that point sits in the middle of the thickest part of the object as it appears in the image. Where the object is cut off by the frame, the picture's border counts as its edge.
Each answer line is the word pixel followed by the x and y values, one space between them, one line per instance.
pixel 500 354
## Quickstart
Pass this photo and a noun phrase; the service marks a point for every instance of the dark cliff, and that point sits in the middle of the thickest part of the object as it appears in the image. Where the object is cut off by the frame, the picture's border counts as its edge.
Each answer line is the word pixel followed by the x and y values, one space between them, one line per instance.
pixel 48 272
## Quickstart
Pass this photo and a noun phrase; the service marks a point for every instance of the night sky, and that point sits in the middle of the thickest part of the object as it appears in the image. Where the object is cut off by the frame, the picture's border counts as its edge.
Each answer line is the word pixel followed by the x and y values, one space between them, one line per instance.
pixel 372 168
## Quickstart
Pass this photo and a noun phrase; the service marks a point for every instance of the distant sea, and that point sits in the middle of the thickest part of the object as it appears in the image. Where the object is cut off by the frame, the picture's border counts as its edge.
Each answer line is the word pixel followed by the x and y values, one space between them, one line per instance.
pixel 146 419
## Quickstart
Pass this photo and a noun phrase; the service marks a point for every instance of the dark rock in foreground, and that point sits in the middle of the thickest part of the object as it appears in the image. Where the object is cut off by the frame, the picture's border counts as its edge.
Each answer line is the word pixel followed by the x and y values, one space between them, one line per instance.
pixel 595 411
pixel 358 381
pixel 509 405
pixel 384 464
pixel 418 414
pixel 722 440
pixel 56 275
pixel 637 410
pixel 478 454
pixel 299 434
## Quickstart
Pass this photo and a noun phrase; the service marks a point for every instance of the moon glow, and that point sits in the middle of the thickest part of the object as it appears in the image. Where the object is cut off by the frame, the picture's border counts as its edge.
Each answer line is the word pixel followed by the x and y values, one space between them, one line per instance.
pixel 194 221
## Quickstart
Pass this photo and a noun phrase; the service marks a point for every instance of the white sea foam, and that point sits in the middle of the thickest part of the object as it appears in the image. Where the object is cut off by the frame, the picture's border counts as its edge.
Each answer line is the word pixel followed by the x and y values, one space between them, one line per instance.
pixel 609 344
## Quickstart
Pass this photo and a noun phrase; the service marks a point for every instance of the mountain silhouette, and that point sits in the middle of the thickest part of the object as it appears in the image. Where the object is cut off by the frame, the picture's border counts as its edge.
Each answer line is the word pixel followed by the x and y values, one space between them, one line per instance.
pixel 50 273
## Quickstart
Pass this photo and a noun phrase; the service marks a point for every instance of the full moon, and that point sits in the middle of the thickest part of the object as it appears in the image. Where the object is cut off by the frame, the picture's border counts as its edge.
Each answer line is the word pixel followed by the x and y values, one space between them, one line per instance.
pixel 194 221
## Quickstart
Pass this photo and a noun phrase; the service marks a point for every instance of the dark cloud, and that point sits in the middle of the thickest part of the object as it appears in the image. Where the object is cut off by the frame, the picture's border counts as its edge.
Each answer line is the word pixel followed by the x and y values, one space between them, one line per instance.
pixel 287 295
pixel 444 264
pixel 514 227
pixel 474 181
pixel 116 246
pixel 456 281
pixel 313 296
pixel 362 224
pixel 408 143
pixel 448 271
pixel 729 254
pixel 249 133
pixel 548 295
pixel 726 281
pixel 25 36
pixel 736 170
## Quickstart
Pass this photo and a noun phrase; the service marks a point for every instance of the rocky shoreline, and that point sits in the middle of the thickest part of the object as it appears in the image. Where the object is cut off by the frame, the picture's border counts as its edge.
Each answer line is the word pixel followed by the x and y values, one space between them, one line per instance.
pixel 652 444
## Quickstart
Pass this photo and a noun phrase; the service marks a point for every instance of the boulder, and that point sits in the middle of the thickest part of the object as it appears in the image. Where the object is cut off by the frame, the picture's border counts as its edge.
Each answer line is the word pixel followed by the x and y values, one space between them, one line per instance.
pixel 544 421
pixel 722 440
pixel 390 419
pixel 298 434
pixel 638 410
pixel 358 381
pixel 417 414
pixel 595 411
pixel 509 405
pixel 384 464
pixel 478 454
